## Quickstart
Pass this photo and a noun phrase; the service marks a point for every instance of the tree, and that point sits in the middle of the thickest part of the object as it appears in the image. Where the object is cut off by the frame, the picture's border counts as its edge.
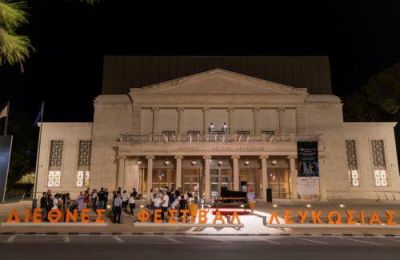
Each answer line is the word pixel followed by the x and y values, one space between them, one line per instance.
pixel 14 48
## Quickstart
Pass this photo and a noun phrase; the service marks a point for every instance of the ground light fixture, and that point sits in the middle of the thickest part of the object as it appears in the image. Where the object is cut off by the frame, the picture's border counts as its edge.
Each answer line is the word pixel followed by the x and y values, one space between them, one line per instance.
pixel 341 205
pixel 275 205
pixel 308 205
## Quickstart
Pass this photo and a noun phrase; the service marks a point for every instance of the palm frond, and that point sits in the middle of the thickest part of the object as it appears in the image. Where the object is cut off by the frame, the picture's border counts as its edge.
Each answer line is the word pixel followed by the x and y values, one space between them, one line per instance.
pixel 12 14
pixel 14 48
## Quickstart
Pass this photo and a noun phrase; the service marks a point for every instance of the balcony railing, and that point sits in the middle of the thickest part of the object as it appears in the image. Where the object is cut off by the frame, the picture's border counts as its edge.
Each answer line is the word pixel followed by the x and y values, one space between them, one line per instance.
pixel 214 138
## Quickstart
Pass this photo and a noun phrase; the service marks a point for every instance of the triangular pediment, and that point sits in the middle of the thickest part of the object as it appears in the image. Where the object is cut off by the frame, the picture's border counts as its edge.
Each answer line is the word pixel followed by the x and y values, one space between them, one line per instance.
pixel 219 82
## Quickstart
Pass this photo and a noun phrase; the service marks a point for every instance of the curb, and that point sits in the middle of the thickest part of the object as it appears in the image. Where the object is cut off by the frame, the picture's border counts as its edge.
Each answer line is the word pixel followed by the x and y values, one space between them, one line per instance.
pixel 190 234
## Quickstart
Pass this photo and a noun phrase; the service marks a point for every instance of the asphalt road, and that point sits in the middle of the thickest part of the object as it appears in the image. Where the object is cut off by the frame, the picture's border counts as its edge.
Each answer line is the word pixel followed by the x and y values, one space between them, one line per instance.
pixel 196 247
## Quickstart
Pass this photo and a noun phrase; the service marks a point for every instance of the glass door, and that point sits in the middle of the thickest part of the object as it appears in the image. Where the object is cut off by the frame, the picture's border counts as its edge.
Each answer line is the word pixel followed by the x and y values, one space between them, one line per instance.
pixel 279 182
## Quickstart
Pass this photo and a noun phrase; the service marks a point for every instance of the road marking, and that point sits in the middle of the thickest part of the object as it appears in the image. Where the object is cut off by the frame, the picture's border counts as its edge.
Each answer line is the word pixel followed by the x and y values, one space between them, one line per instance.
pixel 11 239
pixel 67 239
pixel 120 240
pixel 312 241
pixel 361 241
pixel 268 240
pixel 173 240
pixel 215 238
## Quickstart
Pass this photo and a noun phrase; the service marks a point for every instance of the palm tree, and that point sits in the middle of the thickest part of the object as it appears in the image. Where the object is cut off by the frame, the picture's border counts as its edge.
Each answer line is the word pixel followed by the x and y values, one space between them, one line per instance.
pixel 14 48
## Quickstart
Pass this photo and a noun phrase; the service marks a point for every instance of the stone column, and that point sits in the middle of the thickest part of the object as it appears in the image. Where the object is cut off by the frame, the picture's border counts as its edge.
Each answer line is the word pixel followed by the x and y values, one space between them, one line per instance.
pixel 280 129
pixel 207 177
pixel 293 175
pixel 155 120
pixel 178 171
pixel 149 175
pixel 264 176
pixel 180 122
pixel 236 172
pixel 231 121
pixel 256 113
pixel 205 119
pixel 121 172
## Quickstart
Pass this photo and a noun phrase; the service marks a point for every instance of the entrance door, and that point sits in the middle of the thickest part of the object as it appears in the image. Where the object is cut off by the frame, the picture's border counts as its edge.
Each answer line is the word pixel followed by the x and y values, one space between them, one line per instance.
pixel 252 179
pixel 192 180
pixel 220 178
pixel 279 182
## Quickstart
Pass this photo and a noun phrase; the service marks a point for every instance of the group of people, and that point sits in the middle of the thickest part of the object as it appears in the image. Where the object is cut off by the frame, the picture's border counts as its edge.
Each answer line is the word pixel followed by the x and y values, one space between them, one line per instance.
pixel 48 201
pixel 165 199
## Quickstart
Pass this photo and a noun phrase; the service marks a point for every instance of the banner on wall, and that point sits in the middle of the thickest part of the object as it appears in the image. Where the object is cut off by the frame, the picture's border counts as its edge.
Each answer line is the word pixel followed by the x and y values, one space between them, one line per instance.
pixel 5 155
pixel 308 169
pixel 307 154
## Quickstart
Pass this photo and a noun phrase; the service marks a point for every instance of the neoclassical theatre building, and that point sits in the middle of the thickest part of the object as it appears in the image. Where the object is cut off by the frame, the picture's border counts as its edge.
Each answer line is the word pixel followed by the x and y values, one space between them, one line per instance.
pixel 202 123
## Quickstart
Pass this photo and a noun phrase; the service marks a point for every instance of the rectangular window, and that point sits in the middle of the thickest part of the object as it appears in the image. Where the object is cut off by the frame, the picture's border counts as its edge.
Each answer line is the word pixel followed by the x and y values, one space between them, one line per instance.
pixel 55 162
pixel 352 164
pixel 83 172
pixel 379 163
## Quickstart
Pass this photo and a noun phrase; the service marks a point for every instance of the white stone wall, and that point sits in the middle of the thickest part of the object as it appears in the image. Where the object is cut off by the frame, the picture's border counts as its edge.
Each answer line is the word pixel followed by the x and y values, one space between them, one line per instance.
pixel 71 134
pixel 324 117
pixel 363 133
pixel 112 117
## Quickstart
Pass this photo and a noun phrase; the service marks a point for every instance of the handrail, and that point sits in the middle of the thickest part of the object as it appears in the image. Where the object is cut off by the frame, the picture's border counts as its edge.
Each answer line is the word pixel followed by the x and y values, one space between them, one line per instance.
pixel 214 138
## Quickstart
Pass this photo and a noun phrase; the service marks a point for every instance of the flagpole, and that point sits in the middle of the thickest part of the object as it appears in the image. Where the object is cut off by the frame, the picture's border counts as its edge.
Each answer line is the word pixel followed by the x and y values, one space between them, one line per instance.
pixel 6 122
pixel 34 201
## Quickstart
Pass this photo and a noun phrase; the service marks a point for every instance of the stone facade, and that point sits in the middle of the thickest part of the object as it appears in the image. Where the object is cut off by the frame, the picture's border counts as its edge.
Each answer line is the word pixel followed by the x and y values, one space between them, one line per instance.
pixel 160 135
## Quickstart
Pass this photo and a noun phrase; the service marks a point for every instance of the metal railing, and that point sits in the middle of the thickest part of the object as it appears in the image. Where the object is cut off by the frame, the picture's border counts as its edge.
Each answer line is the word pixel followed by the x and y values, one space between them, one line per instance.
pixel 214 138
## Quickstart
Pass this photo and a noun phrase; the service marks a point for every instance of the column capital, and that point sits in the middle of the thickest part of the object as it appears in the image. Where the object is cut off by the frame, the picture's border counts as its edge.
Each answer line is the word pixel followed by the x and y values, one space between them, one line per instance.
pixel 256 109
pixel 155 109
pixel 231 109
pixel 264 156
pixel 150 157
pixel 281 109
pixel 235 156
pixel 179 157
pixel 180 109
pixel 205 109
pixel 292 156
pixel 205 157
pixel 121 157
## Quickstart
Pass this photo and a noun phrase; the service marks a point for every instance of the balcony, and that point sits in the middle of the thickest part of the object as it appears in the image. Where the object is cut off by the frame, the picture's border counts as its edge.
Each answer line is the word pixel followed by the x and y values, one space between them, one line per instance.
pixel 215 137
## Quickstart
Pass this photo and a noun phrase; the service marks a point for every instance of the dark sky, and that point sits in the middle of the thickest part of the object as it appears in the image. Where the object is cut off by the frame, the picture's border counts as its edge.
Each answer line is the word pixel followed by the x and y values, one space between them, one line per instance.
pixel 70 38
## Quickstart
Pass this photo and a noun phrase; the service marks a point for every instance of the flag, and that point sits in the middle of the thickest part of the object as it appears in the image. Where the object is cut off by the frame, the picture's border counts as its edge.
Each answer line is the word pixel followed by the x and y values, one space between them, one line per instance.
pixel 4 112
pixel 39 116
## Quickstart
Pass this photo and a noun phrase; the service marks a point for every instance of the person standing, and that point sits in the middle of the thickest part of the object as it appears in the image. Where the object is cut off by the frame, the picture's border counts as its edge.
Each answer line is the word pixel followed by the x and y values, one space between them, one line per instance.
pixel 101 198
pixel 117 203
pixel 251 199
pixel 43 206
pixel 105 198
pixel 164 205
pixel 94 199
pixel 134 192
pixel 125 198
pixel 81 202
pixel 132 203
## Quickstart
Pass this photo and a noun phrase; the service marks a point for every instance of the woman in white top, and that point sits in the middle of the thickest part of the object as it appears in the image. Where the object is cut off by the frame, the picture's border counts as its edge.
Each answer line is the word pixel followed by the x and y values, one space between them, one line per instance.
pixel 132 203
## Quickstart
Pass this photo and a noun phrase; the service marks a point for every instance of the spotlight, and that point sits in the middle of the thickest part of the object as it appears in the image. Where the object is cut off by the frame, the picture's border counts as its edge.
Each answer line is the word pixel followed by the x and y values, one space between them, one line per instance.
pixel 242 206
pixel 141 206
pixel 308 205
pixel 246 162
pixel 108 206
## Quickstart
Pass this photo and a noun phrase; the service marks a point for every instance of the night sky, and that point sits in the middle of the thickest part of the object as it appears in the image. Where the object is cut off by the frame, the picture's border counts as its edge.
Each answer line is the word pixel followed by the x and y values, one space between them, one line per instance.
pixel 70 38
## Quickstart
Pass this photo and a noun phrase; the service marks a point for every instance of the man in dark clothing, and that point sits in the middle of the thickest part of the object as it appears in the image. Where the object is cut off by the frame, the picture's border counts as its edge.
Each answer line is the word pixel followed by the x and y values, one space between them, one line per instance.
pixel 101 198
pixel 134 193
pixel 43 206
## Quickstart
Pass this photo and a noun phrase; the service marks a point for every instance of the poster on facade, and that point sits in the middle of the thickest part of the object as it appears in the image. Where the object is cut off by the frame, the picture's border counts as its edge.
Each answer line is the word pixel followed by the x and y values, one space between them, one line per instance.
pixel 307 154
pixel 5 155
pixel 308 187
